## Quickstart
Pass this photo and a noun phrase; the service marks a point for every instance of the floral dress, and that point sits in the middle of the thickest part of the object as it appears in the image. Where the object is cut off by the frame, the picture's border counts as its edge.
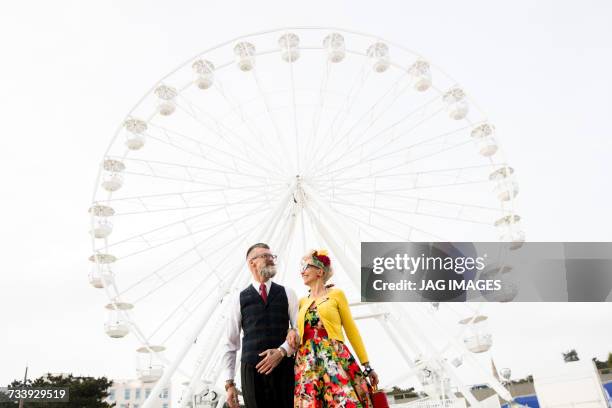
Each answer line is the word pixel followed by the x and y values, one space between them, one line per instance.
pixel 326 374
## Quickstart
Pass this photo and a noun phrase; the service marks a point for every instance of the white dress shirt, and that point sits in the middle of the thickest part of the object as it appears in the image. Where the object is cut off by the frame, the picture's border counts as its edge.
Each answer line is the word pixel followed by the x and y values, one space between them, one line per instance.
pixel 231 343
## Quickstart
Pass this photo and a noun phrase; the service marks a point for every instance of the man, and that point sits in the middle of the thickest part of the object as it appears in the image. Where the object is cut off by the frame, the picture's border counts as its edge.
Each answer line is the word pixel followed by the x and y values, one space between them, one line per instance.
pixel 264 311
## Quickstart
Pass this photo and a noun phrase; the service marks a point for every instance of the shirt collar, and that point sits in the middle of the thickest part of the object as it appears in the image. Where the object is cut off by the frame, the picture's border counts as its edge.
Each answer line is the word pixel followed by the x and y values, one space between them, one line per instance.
pixel 256 285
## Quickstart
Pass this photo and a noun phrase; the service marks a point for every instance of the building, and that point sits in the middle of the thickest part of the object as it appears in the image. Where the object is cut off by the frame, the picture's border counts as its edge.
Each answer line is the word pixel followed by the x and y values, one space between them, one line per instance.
pixel 523 392
pixel 133 393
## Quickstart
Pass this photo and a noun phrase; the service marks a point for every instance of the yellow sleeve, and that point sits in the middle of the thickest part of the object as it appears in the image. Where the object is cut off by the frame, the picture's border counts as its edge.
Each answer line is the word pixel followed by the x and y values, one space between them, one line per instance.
pixel 350 328
pixel 300 319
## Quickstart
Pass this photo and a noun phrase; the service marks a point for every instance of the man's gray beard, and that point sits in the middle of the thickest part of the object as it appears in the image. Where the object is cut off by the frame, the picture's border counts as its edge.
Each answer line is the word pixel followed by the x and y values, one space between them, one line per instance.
pixel 268 272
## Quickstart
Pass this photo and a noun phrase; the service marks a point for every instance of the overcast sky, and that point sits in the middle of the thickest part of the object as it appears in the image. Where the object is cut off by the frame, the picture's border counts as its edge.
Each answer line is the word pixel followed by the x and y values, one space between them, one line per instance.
pixel 71 70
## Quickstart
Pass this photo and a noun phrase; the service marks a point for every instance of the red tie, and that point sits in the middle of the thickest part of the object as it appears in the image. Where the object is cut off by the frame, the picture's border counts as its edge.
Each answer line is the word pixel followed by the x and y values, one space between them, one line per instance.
pixel 263 293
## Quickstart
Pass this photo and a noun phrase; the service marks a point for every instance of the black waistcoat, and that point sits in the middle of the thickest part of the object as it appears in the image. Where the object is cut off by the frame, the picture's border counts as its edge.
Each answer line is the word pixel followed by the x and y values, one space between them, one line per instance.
pixel 264 325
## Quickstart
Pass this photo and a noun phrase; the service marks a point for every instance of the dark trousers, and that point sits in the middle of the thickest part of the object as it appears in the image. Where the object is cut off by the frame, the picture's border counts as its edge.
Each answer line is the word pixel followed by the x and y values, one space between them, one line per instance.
pixel 274 390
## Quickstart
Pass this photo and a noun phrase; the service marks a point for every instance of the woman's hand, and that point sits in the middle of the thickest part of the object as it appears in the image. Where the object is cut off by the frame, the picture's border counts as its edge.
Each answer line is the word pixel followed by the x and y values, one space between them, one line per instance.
pixel 373 378
pixel 292 339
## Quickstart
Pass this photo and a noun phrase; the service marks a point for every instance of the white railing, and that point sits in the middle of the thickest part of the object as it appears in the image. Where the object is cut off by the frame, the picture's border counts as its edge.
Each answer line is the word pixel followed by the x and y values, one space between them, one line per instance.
pixel 430 403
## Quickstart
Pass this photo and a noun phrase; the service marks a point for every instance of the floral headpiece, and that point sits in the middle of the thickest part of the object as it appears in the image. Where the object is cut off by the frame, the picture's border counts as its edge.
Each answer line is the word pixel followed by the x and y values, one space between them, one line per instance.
pixel 321 260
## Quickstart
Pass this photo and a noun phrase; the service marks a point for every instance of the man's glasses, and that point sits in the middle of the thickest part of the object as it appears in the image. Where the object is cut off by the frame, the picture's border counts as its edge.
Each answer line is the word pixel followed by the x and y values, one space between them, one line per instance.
pixel 266 256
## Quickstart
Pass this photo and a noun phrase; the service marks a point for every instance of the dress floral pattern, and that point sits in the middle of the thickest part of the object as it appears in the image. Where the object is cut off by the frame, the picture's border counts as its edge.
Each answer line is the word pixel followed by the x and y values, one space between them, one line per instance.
pixel 326 373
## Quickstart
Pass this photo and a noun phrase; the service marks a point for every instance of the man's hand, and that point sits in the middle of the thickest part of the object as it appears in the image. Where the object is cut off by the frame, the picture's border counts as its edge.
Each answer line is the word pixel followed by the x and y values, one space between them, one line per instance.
pixel 271 359
pixel 292 339
pixel 231 397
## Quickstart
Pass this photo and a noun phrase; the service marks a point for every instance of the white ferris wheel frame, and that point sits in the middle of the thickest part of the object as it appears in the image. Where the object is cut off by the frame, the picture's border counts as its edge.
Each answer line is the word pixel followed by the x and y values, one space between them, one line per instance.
pixel 338 242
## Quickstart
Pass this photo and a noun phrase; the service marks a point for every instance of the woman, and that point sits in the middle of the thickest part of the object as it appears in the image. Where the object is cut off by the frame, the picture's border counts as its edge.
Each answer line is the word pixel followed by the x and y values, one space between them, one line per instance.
pixel 326 374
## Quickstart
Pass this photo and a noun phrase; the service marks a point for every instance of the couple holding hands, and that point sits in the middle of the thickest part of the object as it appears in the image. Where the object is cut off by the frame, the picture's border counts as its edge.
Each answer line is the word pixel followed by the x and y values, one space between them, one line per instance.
pixel 293 352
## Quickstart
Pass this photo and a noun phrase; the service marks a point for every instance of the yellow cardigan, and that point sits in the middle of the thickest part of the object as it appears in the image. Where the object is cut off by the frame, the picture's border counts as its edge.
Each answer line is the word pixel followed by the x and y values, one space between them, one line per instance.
pixel 335 313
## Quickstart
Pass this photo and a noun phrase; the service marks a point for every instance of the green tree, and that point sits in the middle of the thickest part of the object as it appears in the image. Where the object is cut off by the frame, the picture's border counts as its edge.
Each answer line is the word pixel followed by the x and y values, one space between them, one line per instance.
pixel 84 392
pixel 609 360
pixel 528 379
pixel 600 364
pixel 570 356
pixel 407 392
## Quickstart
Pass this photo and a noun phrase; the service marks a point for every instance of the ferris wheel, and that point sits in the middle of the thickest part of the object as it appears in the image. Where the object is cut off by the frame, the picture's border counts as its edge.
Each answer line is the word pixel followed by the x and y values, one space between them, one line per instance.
pixel 298 137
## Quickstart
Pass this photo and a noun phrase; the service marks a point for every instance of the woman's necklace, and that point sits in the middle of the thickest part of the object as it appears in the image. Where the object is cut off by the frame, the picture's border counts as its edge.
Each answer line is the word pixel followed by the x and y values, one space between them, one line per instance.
pixel 320 296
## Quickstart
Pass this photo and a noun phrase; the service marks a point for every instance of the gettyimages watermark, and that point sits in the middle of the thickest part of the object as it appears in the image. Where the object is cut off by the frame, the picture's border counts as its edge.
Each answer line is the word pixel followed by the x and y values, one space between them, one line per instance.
pixel 486 271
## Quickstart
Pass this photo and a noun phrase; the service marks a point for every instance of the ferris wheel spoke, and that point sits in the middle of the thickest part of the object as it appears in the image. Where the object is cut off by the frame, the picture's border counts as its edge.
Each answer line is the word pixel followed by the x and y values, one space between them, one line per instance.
pixel 185 319
pixel 420 110
pixel 220 210
pixel 189 207
pixel 220 129
pixel 346 191
pixel 189 179
pixel 285 244
pixel 339 159
pixel 142 235
pixel 403 237
pixel 189 171
pixel 195 193
pixel 243 242
pixel 394 220
pixel 165 281
pixel 357 179
pixel 186 179
pixel 371 113
pixel 391 141
pixel 285 151
pixel 207 361
pixel 318 111
pixel 365 227
pixel 190 232
pixel 365 224
pixel 201 153
pixel 200 116
pixel 396 150
pixel 349 102
pixel 260 225
pixel 192 312
pixel 149 203
pixel 398 198
pixel 205 147
pixel 409 161
pixel 247 121
pixel 417 212
pixel 195 248
pixel 295 118
pixel 115 199
pixel 202 257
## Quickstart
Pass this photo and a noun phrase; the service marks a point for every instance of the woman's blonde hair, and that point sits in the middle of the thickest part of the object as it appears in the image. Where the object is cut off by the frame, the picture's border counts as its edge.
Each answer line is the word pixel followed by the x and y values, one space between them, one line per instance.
pixel 322 261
